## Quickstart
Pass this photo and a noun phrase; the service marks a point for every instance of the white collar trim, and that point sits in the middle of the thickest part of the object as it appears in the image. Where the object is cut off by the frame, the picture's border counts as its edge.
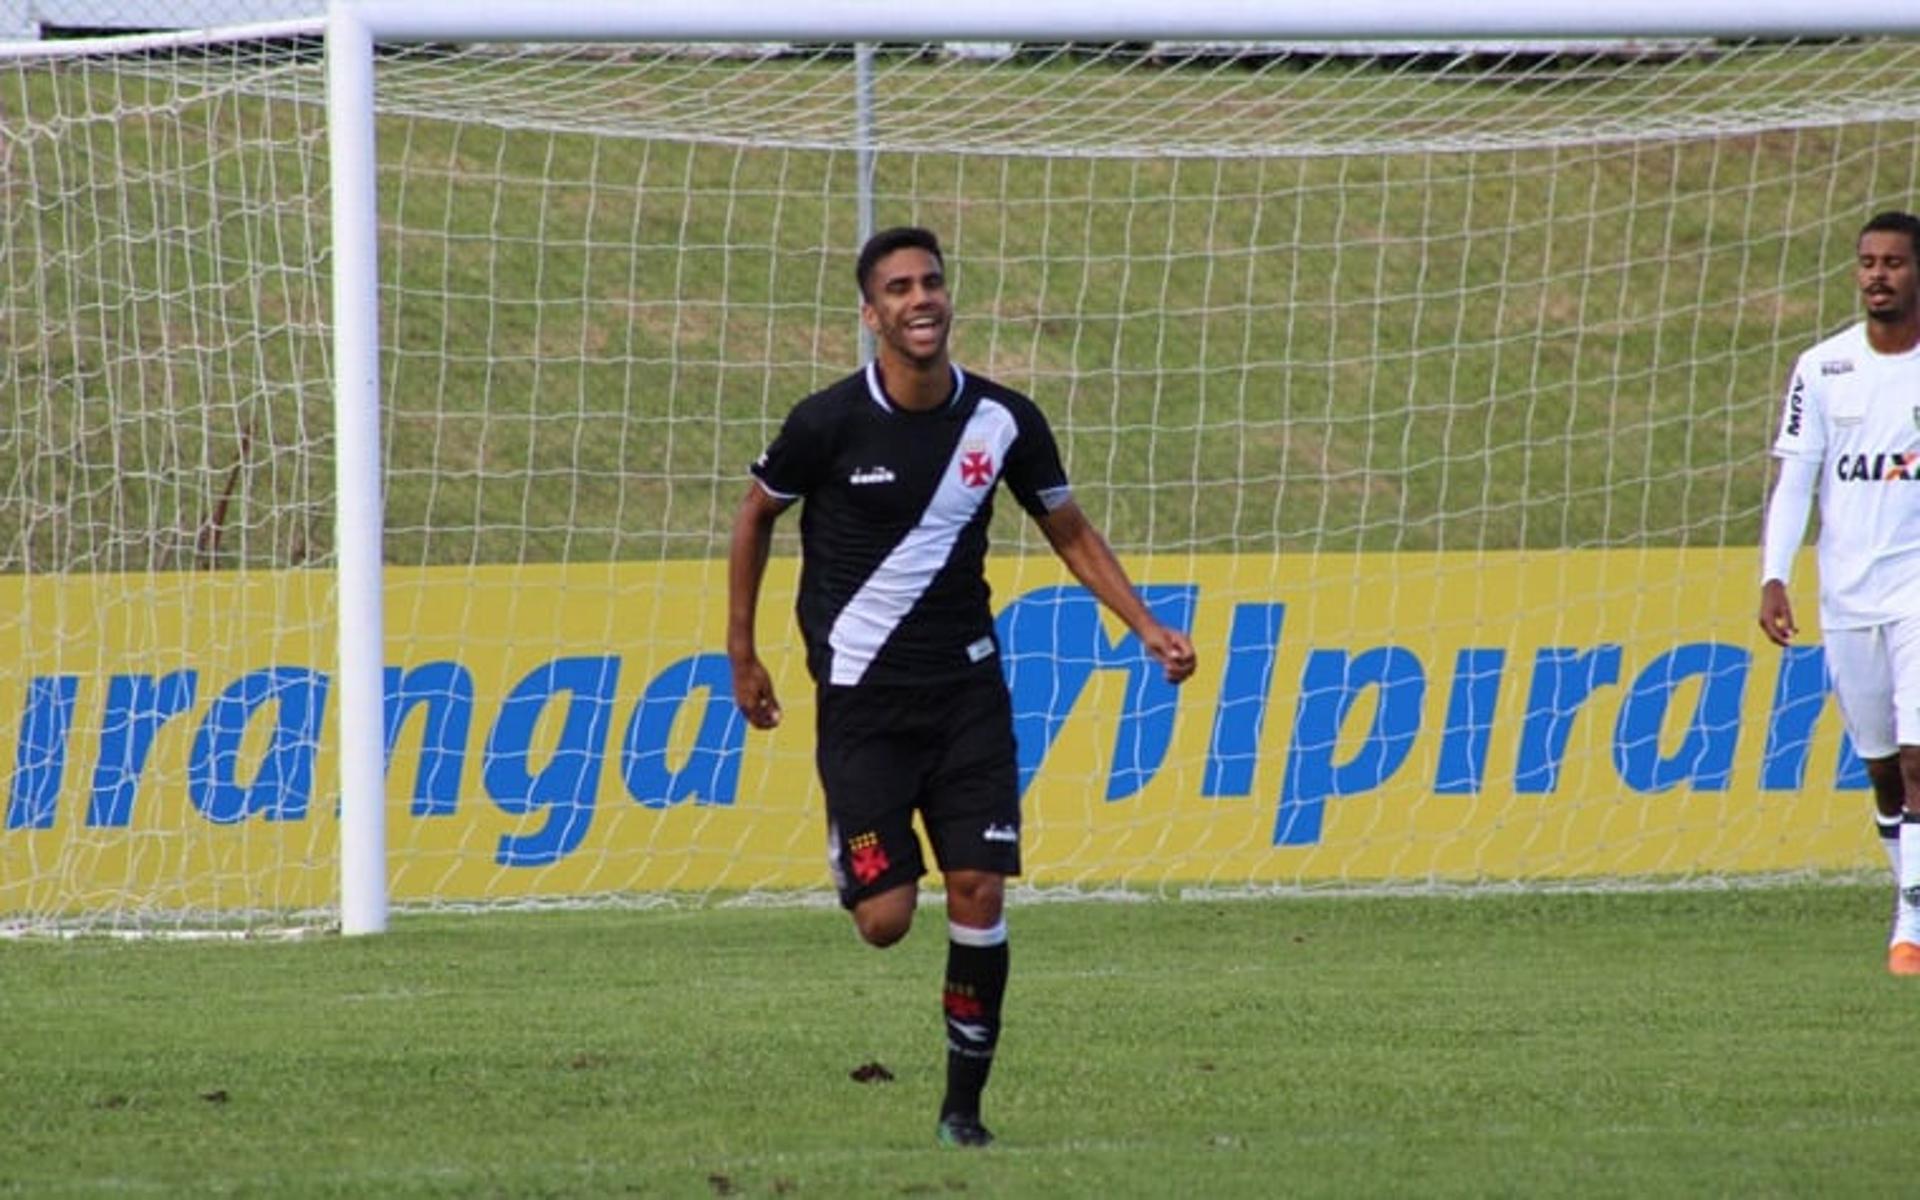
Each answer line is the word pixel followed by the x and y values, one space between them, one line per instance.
pixel 879 394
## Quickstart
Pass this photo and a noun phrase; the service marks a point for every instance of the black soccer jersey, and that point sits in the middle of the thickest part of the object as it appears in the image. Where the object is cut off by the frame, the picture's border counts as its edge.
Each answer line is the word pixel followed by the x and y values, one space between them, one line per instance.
pixel 893 533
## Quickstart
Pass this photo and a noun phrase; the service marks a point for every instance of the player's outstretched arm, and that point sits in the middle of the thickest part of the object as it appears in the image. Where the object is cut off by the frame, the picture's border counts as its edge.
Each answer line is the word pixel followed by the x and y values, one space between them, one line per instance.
pixel 746 567
pixel 1092 562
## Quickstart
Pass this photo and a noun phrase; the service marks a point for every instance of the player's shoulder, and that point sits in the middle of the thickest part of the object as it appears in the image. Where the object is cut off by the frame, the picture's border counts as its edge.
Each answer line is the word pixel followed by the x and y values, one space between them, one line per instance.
pixel 1016 401
pixel 1835 355
pixel 831 403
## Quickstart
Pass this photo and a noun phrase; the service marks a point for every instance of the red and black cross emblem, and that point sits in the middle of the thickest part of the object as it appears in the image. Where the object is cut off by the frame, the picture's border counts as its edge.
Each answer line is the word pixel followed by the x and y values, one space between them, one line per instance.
pixel 976 468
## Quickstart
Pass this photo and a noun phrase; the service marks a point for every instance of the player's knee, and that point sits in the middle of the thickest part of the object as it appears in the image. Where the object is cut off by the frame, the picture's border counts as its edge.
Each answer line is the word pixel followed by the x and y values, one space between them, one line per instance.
pixel 976 898
pixel 883 919
pixel 882 929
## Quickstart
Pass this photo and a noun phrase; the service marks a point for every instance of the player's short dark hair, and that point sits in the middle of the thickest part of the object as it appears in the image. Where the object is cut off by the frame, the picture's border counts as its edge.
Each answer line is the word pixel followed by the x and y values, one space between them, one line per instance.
pixel 1895 221
pixel 900 237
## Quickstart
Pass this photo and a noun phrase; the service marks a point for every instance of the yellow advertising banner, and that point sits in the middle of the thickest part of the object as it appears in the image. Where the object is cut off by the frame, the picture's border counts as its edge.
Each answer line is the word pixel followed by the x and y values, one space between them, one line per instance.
pixel 568 730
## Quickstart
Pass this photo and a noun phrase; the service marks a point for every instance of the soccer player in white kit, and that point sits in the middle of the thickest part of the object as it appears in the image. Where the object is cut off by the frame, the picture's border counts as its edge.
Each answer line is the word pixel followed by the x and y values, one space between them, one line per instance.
pixel 1850 431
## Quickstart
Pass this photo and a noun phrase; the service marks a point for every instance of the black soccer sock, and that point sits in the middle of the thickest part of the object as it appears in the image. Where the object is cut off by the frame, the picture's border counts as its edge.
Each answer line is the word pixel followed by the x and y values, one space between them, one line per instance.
pixel 976 983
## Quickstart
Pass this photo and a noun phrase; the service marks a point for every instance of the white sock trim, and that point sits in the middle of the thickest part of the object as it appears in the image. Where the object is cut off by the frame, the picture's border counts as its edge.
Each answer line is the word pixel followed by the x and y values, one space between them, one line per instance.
pixel 967 935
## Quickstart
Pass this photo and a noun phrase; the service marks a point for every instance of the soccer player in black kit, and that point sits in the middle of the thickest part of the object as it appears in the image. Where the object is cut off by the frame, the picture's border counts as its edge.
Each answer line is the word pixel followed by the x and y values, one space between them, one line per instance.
pixel 897 465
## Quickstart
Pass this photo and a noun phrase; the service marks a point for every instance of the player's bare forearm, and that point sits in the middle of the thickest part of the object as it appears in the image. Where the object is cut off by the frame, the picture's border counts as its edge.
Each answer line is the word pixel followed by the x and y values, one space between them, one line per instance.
pixel 746 568
pixel 1086 553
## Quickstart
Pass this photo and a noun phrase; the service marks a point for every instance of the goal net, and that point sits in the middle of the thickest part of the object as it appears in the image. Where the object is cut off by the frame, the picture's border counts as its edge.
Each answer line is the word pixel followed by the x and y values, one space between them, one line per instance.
pixel 1430 386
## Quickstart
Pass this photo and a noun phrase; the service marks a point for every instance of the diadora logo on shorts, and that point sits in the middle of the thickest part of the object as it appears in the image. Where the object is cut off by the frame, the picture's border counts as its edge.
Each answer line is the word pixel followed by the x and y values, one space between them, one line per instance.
pixel 1876 468
pixel 866 475
pixel 1001 833
pixel 1837 366
pixel 976 464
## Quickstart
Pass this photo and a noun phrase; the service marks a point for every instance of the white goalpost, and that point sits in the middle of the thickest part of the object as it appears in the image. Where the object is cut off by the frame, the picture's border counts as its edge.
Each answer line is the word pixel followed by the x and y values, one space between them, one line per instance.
pixel 1421 364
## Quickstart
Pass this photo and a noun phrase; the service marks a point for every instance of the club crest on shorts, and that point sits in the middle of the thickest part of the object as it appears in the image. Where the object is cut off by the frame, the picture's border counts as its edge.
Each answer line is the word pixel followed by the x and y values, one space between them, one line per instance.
pixel 866 857
pixel 976 464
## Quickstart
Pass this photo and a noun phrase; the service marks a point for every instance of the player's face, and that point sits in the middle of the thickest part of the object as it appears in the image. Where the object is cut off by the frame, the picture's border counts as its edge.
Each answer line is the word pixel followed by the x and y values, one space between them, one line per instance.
pixel 907 306
pixel 1888 277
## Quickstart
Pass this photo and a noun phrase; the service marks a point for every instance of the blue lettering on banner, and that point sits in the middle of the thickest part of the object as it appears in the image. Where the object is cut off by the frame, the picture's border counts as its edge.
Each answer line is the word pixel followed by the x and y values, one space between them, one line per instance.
pixel 1704 758
pixel 566 785
pixel 1799 695
pixel 1468 733
pixel 282 786
pixel 41 759
pixel 1563 681
pixel 137 706
pixel 1234 749
pixel 711 774
pixel 445 689
pixel 1329 687
pixel 1053 642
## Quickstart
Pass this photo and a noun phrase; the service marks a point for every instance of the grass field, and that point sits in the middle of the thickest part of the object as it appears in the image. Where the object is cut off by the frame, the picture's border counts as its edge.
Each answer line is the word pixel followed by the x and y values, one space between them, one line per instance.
pixel 1680 1044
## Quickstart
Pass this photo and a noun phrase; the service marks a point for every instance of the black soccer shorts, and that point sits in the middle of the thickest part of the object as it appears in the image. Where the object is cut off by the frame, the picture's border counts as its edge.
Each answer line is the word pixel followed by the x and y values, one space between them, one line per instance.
pixel 945 751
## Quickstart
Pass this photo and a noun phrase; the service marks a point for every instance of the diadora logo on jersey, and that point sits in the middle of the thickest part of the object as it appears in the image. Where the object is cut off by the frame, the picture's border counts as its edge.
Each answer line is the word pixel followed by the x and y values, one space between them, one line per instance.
pixel 870 475
pixel 1876 468
pixel 1837 366
pixel 1796 406
pixel 1000 833
pixel 976 464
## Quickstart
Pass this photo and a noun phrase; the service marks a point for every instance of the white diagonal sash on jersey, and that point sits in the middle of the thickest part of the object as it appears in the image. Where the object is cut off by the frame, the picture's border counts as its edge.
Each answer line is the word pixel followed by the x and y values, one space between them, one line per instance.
pixel 884 600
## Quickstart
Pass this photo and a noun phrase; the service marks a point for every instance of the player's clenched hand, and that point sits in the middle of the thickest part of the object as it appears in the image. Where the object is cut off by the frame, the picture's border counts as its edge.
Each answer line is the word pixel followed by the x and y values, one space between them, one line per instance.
pixel 1174 652
pixel 753 692
pixel 1776 614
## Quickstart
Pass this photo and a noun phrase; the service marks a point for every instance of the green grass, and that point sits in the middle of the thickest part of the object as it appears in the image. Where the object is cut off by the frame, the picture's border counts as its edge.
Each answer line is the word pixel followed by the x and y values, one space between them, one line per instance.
pixel 1677 1044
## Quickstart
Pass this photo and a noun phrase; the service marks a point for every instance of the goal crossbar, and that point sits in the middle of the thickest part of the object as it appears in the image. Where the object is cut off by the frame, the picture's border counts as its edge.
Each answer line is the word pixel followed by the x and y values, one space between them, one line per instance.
pixel 1110 20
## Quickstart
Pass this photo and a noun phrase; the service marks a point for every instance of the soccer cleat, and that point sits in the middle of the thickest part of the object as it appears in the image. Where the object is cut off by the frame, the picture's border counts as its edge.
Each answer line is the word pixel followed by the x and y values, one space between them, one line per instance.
pixel 1903 958
pixel 965 1129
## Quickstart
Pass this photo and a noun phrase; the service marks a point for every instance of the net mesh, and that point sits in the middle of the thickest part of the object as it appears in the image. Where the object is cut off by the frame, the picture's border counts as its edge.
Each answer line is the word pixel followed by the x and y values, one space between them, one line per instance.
pixel 1429 385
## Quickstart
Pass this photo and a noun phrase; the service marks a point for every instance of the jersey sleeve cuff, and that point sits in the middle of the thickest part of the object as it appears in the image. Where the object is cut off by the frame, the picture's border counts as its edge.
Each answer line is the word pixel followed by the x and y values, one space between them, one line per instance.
pixel 776 493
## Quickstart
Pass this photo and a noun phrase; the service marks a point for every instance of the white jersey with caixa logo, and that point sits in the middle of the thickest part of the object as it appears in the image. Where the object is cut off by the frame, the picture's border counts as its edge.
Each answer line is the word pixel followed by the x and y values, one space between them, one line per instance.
pixel 1857 414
